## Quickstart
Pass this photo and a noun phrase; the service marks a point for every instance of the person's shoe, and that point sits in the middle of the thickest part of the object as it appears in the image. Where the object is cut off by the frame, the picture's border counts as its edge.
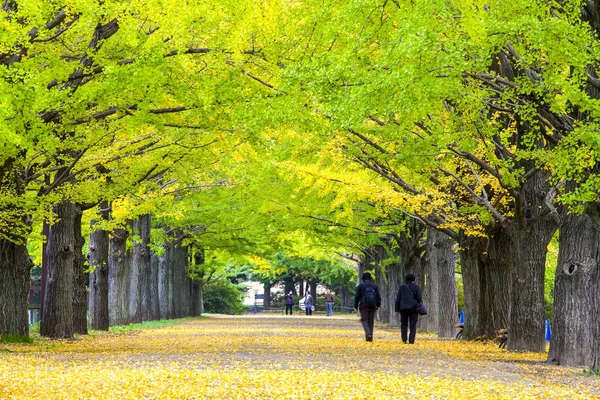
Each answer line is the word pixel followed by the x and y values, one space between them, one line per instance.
pixel 369 338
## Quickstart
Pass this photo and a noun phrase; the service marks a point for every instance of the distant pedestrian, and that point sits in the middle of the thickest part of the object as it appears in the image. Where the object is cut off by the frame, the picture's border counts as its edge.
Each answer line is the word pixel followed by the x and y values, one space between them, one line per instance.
pixel 308 303
pixel 409 295
pixel 289 302
pixel 367 300
pixel 329 303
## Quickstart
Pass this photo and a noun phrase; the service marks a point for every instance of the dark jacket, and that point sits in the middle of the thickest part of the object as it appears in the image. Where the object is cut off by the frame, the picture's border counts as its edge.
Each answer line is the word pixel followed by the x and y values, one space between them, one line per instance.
pixel 406 300
pixel 289 300
pixel 360 292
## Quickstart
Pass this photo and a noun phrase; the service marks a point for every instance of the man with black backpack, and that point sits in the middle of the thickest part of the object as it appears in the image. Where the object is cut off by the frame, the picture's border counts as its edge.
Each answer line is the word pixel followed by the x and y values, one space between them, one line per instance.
pixel 367 300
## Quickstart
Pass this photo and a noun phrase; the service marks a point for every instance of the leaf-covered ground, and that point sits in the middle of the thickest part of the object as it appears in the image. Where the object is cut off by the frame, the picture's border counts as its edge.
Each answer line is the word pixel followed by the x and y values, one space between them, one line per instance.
pixel 299 357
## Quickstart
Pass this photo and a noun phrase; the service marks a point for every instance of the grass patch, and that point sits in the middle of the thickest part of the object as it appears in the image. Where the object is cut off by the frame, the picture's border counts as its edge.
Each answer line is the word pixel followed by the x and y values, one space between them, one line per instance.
pixel 35 328
pixel 595 373
pixel 10 338
pixel 122 329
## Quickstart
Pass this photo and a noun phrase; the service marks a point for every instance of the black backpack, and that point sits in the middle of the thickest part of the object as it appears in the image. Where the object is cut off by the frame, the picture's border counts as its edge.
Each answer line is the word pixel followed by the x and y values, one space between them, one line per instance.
pixel 369 299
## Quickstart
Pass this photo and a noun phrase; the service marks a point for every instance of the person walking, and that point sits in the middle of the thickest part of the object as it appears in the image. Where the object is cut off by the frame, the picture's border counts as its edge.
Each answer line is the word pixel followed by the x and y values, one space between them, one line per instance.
pixel 368 300
pixel 329 303
pixel 289 302
pixel 308 303
pixel 409 295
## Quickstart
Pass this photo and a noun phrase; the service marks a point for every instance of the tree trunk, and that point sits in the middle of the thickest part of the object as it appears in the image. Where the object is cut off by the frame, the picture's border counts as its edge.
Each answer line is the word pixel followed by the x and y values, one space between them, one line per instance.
pixel 574 325
pixel 313 290
pixel 487 284
pixel 15 266
pixel 345 299
pixel 196 298
pixel 498 281
pixel 444 291
pixel 431 288
pixel 179 264
pixel 154 299
pixel 57 319
pixel 139 294
pixel 472 270
pixel 118 278
pixel 98 258
pixel 532 230
pixel 376 259
pixel 79 280
pixel 163 285
pixel 267 295
pixel 289 285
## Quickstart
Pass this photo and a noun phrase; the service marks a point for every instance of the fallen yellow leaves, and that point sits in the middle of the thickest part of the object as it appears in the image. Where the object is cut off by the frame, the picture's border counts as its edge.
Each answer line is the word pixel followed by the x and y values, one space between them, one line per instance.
pixel 278 357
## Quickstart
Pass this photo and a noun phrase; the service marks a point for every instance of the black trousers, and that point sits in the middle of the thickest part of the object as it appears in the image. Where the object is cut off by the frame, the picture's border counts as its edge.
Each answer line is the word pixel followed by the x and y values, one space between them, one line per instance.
pixel 367 319
pixel 405 317
pixel 288 307
pixel 308 310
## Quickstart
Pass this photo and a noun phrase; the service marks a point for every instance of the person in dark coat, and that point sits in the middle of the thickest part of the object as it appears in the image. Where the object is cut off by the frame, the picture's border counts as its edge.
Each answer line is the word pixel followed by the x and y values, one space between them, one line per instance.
pixel 409 295
pixel 367 311
pixel 289 302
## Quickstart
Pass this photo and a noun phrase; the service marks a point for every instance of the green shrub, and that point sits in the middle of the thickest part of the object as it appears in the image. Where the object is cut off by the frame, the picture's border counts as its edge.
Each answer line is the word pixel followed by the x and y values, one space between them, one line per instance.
pixel 223 297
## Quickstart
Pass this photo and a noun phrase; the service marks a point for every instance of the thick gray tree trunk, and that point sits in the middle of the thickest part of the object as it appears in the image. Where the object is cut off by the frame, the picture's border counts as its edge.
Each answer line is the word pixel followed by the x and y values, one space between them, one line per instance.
pixel 179 260
pixel 57 318
pixel 15 266
pixel 139 289
pixel 574 327
pixel 154 299
pixel 431 288
pixel 196 298
pixel 440 293
pixel 472 267
pixel 164 285
pixel 388 275
pixel 532 230
pixel 80 321
pixel 498 281
pixel 99 263
pixel 118 278
pixel 486 272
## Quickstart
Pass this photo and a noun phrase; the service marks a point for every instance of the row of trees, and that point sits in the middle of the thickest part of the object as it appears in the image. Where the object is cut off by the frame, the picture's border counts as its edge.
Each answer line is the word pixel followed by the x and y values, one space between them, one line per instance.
pixel 361 127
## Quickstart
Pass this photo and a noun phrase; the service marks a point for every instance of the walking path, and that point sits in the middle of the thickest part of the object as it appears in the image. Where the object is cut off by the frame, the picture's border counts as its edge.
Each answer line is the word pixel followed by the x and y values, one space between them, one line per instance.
pixel 299 357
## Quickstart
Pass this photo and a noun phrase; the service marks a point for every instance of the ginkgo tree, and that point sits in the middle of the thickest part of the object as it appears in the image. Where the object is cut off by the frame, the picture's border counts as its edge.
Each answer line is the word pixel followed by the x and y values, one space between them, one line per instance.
pixel 491 85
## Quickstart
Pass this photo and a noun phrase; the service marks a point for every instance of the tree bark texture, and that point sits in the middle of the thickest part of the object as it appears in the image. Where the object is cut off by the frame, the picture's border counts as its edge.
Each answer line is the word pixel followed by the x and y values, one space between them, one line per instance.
pixel 196 298
pixel 377 256
pixel 532 230
pixel 118 278
pixel 139 291
pixel 574 326
pixel 267 297
pixel 472 268
pixel 486 273
pixel 15 266
pixel 99 264
pixel 345 299
pixel 57 318
pixel 431 287
pixel 498 281
pixel 154 299
pixel 80 294
pixel 179 265
pixel 164 286
pixel 441 284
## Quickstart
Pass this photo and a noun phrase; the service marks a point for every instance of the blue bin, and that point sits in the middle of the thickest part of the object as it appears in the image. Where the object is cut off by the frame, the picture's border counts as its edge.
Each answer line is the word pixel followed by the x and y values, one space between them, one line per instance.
pixel 548 330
